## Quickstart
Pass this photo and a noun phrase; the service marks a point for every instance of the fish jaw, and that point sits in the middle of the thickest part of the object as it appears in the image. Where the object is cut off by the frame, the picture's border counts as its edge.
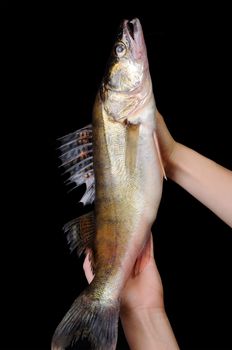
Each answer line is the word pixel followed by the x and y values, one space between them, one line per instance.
pixel 132 32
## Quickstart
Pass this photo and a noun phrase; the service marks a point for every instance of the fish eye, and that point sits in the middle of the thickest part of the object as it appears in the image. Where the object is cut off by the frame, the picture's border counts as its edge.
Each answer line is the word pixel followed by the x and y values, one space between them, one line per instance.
pixel 120 49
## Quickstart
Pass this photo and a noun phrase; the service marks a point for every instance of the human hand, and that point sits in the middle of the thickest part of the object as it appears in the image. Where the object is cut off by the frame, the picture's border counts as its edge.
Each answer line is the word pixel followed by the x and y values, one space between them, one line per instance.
pixel 143 290
pixel 142 312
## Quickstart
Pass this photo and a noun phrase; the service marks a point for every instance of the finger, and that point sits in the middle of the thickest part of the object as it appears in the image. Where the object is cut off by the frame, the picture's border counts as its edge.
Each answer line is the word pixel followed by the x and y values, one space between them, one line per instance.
pixel 144 257
pixel 151 246
pixel 87 269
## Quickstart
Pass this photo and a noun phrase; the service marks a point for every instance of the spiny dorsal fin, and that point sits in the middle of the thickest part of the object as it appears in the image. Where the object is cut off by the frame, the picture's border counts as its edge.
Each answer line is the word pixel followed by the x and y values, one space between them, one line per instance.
pixel 80 233
pixel 77 160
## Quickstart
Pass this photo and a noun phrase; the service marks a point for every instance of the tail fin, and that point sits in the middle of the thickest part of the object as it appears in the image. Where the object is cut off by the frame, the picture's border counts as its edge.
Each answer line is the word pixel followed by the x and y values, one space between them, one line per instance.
pixel 89 318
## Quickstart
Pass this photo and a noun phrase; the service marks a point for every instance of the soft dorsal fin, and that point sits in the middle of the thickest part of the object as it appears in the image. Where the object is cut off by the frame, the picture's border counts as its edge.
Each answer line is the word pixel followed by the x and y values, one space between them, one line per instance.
pixel 80 233
pixel 77 159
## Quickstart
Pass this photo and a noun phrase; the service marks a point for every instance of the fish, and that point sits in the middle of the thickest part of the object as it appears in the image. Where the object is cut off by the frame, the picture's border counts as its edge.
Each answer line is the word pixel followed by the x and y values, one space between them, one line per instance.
pixel 117 157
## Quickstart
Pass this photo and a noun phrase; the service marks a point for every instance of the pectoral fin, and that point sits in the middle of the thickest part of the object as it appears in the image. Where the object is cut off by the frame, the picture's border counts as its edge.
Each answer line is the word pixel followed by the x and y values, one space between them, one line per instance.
pixel 159 154
pixel 131 147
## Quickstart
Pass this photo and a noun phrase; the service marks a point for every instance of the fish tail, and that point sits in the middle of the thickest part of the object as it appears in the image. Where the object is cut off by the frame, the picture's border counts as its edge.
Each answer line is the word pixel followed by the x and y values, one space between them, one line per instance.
pixel 89 318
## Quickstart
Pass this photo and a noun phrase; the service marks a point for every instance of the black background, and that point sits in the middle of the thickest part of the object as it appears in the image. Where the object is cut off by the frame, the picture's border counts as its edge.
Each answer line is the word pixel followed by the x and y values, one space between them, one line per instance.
pixel 64 64
pixel 4 4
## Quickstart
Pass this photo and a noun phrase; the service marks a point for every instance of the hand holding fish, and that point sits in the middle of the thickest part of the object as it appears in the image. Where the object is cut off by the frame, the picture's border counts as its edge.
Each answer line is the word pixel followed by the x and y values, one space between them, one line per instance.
pixel 143 289
pixel 142 312
pixel 206 180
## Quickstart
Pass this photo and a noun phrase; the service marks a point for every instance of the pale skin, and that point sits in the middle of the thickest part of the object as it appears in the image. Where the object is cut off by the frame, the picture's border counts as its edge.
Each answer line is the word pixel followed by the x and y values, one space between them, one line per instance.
pixel 142 313
pixel 206 180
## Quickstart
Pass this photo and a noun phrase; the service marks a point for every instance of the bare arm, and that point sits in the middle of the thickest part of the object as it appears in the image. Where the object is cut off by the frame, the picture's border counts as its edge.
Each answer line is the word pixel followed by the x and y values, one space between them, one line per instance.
pixel 148 329
pixel 206 180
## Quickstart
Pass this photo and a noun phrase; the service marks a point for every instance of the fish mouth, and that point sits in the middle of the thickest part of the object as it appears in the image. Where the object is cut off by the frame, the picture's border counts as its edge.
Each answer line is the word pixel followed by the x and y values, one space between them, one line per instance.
pixel 130 28
pixel 132 33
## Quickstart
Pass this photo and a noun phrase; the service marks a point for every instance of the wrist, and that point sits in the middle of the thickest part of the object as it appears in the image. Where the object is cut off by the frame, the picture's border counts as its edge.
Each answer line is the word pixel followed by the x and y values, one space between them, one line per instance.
pixel 143 313
pixel 144 320
pixel 149 328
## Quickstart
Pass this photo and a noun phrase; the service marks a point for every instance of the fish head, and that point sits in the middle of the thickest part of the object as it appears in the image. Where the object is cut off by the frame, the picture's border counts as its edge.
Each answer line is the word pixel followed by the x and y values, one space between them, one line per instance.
pixel 123 87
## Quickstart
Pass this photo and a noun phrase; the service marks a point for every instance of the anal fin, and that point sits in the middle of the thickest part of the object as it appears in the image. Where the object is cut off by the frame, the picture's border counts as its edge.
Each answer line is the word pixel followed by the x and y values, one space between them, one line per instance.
pixel 80 233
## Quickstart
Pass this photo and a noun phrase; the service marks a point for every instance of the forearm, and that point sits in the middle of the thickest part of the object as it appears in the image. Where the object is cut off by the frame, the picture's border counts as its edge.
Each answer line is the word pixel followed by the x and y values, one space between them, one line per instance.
pixel 148 330
pixel 206 180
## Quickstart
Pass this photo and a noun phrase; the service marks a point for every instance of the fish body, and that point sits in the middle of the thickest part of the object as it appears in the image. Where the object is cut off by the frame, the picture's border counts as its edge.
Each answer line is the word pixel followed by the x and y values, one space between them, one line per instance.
pixel 127 184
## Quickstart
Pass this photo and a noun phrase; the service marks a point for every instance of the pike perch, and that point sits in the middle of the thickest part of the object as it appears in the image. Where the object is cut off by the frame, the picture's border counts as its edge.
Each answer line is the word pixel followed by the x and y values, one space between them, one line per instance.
pixel 117 157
